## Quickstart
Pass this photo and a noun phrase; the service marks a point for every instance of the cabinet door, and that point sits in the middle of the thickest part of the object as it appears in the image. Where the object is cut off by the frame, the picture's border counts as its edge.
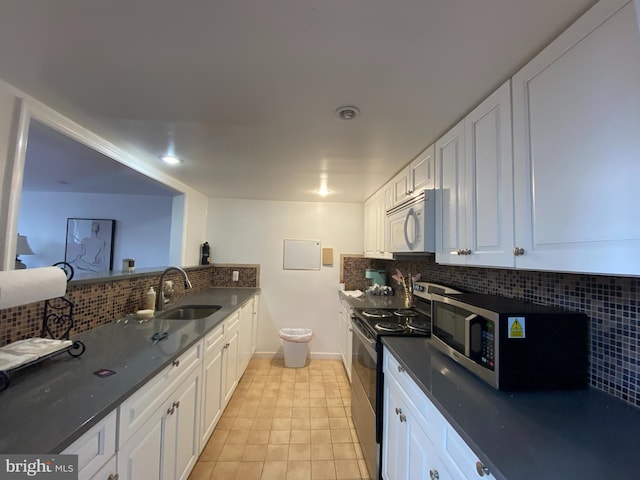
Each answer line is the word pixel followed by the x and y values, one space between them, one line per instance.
pixel 489 182
pixel 187 431
pixel 395 434
pixel 95 447
pixel 245 337
pixel 450 196
pixel 421 171
pixel 402 186
pixel 141 456
pixel 230 361
pixel 370 228
pixel 256 317
pixel 576 147
pixel 345 332
pixel 212 393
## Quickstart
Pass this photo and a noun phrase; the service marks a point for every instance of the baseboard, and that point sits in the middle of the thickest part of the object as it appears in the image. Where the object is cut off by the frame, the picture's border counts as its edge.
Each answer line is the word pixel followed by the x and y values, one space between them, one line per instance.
pixel 312 355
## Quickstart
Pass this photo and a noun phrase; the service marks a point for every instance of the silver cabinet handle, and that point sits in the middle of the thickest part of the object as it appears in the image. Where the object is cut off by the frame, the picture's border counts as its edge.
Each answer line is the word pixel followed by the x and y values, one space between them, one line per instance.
pixel 467 251
pixel 403 418
pixel 398 411
pixel 176 404
pixel 400 368
pixel 434 474
pixel 171 411
pixel 517 251
pixel 176 363
pixel 113 476
pixel 481 469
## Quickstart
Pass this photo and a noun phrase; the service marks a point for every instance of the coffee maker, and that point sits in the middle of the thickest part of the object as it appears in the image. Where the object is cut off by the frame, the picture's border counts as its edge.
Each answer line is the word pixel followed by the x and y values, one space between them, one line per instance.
pixel 205 254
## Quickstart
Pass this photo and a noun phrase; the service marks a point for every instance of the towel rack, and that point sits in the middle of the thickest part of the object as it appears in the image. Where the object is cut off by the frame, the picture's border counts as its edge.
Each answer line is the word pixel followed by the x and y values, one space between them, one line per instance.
pixel 57 317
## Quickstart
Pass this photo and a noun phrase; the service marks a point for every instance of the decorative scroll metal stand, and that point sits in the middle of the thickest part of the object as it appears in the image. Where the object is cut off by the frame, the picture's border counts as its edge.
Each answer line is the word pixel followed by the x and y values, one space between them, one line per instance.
pixel 58 315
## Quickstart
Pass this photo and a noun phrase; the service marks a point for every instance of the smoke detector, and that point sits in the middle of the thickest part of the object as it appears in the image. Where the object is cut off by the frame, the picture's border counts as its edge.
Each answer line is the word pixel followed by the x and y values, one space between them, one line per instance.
pixel 347 113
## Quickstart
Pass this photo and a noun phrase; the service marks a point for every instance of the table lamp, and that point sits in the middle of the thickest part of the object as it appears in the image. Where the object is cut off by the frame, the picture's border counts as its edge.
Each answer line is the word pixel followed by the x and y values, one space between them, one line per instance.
pixel 22 248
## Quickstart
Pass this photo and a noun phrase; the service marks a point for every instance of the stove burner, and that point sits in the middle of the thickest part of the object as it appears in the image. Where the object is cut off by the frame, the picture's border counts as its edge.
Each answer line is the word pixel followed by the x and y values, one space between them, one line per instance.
pixel 390 327
pixel 406 313
pixel 419 327
pixel 376 313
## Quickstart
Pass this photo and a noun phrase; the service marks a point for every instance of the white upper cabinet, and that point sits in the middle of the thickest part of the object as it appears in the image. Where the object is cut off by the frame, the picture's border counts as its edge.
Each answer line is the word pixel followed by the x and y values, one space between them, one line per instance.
pixel 450 196
pixel 489 182
pixel 474 189
pixel 415 177
pixel 576 119
pixel 375 209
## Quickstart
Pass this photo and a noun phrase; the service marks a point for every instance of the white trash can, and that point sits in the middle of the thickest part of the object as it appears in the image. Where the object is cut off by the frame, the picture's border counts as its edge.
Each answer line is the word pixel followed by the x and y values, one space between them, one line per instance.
pixel 295 343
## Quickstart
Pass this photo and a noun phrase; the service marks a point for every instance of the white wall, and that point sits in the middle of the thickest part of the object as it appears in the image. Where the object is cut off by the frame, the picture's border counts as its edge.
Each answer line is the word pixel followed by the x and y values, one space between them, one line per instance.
pixel 142 228
pixel 252 231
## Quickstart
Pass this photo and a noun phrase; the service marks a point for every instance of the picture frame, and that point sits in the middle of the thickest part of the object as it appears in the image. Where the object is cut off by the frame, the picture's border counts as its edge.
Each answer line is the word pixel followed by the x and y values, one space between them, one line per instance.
pixel 89 244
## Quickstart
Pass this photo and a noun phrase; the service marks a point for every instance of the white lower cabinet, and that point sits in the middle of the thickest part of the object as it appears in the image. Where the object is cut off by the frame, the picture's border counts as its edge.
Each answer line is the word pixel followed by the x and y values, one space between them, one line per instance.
pixel 95 449
pixel 163 426
pixel 107 472
pixel 256 318
pixel 168 444
pixel 346 335
pixel 245 336
pixel 230 372
pixel 418 443
pixel 212 382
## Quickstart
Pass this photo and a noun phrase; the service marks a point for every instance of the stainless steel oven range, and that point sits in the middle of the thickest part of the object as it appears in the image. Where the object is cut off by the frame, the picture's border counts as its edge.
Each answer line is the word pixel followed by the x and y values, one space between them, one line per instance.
pixel 367 381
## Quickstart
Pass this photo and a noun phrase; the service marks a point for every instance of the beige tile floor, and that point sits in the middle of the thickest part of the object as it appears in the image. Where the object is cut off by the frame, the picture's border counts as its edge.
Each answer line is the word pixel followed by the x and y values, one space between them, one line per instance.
pixel 285 424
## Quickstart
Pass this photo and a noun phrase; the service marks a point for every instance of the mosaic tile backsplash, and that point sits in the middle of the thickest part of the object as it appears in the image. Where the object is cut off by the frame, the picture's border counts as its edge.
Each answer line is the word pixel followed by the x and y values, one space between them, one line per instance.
pixel 611 303
pixel 98 303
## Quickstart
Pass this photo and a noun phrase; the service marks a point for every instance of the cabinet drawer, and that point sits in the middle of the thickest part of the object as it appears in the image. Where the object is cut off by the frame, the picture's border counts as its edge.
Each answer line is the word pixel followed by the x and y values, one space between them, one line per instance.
pixel 431 419
pixel 135 411
pixel 232 321
pixel 461 457
pixel 214 339
pixel 95 447
pixel 107 472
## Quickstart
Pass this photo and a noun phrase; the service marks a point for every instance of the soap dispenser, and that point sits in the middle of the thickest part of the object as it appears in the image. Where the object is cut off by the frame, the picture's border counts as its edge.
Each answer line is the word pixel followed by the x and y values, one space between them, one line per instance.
pixel 151 299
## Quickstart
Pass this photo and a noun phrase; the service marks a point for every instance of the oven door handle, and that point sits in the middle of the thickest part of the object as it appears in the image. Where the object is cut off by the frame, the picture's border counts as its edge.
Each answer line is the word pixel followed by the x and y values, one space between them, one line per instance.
pixel 363 338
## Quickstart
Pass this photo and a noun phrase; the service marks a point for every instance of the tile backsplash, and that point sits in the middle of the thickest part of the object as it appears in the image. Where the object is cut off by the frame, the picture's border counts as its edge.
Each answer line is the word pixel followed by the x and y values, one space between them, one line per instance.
pixel 611 303
pixel 100 302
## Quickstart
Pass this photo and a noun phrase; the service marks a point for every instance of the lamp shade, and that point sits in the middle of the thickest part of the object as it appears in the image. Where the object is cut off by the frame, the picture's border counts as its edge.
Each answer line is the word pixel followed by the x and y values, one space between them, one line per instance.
pixel 22 247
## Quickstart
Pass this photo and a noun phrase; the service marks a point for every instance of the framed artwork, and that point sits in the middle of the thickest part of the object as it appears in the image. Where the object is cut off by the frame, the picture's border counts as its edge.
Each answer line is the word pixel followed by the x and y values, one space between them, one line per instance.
pixel 89 245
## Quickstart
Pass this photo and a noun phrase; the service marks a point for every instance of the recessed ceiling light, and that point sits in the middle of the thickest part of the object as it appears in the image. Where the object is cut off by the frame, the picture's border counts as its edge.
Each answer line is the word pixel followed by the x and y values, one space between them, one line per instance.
pixel 347 113
pixel 170 160
pixel 323 191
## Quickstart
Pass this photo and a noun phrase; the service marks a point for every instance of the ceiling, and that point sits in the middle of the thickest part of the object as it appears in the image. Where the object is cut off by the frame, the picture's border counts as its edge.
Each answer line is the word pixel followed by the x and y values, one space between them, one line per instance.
pixel 245 91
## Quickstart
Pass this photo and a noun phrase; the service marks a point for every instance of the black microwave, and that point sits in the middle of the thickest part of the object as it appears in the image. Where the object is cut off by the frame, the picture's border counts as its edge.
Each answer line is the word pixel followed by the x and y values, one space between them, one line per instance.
pixel 512 344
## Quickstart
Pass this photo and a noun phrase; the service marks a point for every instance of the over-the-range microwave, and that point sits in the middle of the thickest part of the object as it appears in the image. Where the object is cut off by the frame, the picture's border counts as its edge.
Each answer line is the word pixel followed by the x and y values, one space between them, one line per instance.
pixel 410 226
pixel 512 344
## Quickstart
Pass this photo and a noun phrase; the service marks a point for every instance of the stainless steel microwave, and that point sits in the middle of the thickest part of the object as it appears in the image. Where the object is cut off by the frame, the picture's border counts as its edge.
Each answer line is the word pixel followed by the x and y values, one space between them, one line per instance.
pixel 512 344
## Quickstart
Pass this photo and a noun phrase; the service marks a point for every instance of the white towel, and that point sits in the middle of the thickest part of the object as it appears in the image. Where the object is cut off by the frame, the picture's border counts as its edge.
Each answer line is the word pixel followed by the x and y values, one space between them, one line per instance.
pixel 23 351
pixel 10 360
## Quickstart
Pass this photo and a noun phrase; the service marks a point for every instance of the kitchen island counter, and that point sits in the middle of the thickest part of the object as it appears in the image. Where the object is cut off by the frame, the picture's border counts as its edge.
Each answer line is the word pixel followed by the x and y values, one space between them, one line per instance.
pixel 583 434
pixel 50 405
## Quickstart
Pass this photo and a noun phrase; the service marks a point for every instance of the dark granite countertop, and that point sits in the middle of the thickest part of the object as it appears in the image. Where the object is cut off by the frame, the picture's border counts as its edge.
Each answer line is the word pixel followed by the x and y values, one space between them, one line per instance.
pixel 374 301
pixel 583 434
pixel 50 405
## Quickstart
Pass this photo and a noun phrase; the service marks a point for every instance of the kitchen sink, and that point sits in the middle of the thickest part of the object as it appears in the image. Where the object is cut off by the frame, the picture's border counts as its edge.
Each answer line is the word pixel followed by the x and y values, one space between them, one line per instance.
pixel 188 312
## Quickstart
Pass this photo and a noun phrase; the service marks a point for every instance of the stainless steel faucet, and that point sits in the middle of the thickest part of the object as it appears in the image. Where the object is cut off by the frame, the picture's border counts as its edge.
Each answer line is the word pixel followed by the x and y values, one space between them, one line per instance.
pixel 160 299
